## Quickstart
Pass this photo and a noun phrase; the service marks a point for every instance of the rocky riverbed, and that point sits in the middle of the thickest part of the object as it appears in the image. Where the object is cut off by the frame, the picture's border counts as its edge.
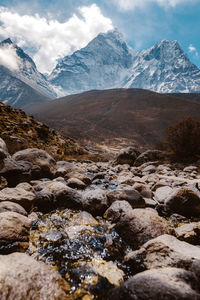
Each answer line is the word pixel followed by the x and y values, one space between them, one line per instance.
pixel 124 229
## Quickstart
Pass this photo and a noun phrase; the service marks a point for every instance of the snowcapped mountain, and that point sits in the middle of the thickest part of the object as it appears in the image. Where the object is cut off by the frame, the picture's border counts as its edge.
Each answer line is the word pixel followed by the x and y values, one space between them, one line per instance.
pixel 164 68
pixel 20 81
pixel 102 64
pixel 108 62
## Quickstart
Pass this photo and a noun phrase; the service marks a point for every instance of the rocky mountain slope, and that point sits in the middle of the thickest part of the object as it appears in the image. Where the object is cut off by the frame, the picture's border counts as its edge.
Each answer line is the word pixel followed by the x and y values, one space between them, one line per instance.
pixel 22 83
pixel 21 131
pixel 108 62
pixel 118 116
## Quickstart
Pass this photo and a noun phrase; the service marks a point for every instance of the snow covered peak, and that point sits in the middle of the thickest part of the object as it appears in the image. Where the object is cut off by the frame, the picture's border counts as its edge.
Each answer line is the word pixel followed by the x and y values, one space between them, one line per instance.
pixel 7 41
pixel 17 72
pixel 100 65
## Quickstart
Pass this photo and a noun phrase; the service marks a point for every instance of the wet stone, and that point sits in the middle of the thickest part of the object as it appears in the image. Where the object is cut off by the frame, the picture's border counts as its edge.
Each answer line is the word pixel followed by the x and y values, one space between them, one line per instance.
pixel 86 251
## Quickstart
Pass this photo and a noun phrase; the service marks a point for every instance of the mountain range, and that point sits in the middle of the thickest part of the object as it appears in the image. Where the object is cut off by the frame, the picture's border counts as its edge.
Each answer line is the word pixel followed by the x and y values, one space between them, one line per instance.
pixel 107 62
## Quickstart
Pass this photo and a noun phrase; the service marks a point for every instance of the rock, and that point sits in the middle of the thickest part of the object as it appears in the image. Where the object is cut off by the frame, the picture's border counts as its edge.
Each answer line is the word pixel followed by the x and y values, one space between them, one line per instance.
pixel 76 184
pixel 19 196
pixel 149 156
pixel 190 169
pixel 26 186
pixel 116 210
pixel 3 152
pixel 189 233
pixel 43 164
pixel 54 194
pixel 150 203
pixel 95 201
pixel 143 190
pixel 16 171
pixel 158 284
pixel 162 193
pixel 63 167
pixel 184 201
pixel 108 270
pixel 127 156
pixel 141 226
pixel 15 143
pixel 11 206
pixel 14 232
pixel 163 251
pixel 128 194
pixel 3 183
pixel 29 279
pixel 149 169
pixel 196 269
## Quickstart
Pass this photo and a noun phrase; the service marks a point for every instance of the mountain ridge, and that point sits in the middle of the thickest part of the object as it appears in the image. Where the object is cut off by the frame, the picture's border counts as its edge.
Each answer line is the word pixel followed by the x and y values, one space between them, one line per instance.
pixel 109 62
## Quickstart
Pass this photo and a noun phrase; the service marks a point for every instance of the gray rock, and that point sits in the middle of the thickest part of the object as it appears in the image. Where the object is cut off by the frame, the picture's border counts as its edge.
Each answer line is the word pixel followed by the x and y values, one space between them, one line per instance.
pixel 141 225
pixel 63 167
pixel 95 201
pixel 162 193
pixel 54 194
pixel 16 171
pixel 127 156
pixel 76 183
pixel 189 233
pixel 144 190
pixel 43 164
pixel 163 251
pixel 128 194
pixel 149 156
pixel 14 232
pixel 184 201
pixel 158 284
pixel 117 210
pixel 22 277
pixel 11 206
pixel 18 195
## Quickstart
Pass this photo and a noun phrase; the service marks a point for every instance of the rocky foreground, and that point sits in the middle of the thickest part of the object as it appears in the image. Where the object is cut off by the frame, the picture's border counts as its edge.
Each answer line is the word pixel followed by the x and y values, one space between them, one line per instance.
pixel 124 229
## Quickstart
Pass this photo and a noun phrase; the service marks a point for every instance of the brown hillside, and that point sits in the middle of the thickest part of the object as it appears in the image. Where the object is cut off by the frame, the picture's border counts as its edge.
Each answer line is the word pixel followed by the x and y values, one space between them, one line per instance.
pixel 20 131
pixel 118 115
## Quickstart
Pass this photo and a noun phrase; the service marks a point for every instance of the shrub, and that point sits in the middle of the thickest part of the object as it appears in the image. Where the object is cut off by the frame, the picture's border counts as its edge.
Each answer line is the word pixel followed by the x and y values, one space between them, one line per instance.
pixel 183 140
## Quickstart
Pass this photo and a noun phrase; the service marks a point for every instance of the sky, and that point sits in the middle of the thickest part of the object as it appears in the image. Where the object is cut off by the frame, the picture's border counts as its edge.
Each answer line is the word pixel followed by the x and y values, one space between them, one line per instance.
pixel 51 29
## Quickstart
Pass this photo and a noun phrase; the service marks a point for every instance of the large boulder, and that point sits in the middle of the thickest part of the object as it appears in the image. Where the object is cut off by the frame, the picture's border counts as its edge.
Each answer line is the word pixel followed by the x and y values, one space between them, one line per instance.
pixel 95 201
pixel 43 164
pixel 16 171
pixel 149 156
pixel 128 194
pixel 158 284
pixel 54 194
pixel 6 206
pixel 184 201
pixel 14 232
pixel 163 251
pixel 141 225
pixel 22 277
pixel 117 210
pixel 127 156
pixel 18 195
pixel 189 233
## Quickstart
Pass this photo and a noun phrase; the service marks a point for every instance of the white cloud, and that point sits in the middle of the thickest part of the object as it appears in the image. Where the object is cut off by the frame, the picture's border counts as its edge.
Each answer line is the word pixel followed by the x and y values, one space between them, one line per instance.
pixel 50 38
pixel 132 4
pixel 192 49
pixel 9 58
